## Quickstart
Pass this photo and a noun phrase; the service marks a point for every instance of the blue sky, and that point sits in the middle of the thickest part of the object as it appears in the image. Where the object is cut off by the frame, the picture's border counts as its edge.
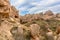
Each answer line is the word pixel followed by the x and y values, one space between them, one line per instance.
pixel 36 6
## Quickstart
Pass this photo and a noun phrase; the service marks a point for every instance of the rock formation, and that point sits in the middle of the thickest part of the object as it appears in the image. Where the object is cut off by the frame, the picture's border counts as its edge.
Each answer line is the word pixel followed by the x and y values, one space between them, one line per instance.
pixel 17 33
pixel 6 10
pixel 34 28
pixel 7 15
pixel 58 15
pixel 49 13
pixel 29 27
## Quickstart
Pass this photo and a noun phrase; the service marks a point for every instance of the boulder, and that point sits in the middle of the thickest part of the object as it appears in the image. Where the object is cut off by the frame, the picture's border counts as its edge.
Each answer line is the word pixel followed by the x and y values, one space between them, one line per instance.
pixel 6 21
pixel 49 13
pixel 17 33
pixel 58 15
pixel 34 29
pixel 49 36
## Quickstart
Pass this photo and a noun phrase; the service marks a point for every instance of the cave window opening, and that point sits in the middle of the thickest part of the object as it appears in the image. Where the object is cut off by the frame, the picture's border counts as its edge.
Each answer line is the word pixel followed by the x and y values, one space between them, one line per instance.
pixel 16 16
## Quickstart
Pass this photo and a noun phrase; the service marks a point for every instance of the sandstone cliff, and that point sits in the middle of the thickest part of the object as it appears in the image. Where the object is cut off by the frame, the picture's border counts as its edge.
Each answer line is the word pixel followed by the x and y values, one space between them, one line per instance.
pixel 8 18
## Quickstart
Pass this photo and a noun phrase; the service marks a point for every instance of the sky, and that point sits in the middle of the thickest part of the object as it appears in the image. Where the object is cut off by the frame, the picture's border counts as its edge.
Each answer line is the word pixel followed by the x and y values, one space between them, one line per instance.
pixel 36 6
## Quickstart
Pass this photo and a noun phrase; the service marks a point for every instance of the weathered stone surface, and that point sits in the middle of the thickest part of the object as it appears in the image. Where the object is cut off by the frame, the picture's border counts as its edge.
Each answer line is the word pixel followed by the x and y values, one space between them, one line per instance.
pixel 58 37
pixel 3 3
pixel 58 30
pixel 58 15
pixel 14 12
pixel 6 8
pixel 17 33
pixel 5 30
pixel 11 29
pixel 34 28
pixel 49 36
pixel 7 16
pixel 49 12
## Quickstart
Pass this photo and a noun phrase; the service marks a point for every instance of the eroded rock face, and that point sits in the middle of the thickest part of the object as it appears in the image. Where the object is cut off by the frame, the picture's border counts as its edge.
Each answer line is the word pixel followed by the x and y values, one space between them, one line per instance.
pixel 3 3
pixel 58 38
pixel 8 15
pixel 6 8
pixel 58 15
pixel 14 12
pixel 11 29
pixel 50 36
pixel 5 31
pixel 17 33
pixel 34 28
pixel 49 13
pixel 58 30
